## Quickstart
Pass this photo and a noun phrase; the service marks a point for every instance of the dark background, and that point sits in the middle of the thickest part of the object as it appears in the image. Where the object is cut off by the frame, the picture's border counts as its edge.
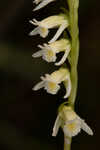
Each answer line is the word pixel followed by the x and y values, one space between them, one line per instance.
pixel 27 117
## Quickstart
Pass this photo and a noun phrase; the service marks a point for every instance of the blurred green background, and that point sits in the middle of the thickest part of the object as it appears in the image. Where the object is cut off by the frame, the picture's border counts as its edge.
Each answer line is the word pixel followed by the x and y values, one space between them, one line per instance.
pixel 27 117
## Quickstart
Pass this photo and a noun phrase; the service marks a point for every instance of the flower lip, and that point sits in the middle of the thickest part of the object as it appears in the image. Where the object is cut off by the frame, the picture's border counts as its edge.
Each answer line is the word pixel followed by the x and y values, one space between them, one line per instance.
pixel 52 87
pixel 48 53
pixel 49 56
pixel 72 127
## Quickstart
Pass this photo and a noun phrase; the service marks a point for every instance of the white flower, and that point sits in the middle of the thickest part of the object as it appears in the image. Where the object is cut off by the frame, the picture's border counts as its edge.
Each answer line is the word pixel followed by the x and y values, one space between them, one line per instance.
pixel 60 21
pixel 42 4
pixel 51 82
pixel 70 123
pixel 49 51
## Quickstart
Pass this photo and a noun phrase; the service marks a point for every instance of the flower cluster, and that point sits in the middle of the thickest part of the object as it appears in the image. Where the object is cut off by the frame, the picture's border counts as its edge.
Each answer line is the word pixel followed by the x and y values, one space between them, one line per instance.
pixel 67 119
pixel 51 82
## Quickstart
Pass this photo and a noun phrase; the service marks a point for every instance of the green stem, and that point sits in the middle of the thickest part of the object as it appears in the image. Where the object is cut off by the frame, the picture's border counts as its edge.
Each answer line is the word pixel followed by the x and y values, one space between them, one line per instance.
pixel 67 143
pixel 74 32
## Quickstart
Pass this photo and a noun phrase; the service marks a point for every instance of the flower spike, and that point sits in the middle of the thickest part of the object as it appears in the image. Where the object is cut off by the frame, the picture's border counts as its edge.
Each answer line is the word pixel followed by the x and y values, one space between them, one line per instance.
pixel 60 21
pixel 70 123
pixel 51 82
pixel 42 4
pixel 49 51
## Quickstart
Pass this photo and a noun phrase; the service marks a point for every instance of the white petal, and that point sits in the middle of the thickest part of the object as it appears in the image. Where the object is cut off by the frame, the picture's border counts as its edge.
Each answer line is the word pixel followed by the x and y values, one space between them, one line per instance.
pixel 35 31
pixel 59 32
pixel 34 22
pixel 38 54
pixel 63 58
pixel 68 87
pixel 38 86
pixel 40 46
pixel 74 131
pixel 69 133
pixel 47 46
pixel 37 1
pixel 43 4
pixel 57 125
pixel 86 128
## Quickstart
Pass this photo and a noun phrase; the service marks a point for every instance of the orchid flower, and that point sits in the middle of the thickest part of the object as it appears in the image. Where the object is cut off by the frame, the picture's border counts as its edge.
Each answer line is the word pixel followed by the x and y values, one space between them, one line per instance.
pixel 60 21
pixel 51 82
pixel 70 123
pixel 48 51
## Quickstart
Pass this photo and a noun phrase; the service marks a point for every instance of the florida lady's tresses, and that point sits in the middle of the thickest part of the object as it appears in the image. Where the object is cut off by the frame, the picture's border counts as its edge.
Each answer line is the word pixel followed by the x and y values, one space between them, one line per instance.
pixel 51 82
pixel 67 119
pixel 58 21
pixel 70 123
pixel 48 51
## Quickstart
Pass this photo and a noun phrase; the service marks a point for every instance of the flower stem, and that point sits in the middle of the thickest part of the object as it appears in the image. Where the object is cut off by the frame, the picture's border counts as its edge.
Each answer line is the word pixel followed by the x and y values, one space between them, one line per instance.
pixel 74 32
pixel 67 143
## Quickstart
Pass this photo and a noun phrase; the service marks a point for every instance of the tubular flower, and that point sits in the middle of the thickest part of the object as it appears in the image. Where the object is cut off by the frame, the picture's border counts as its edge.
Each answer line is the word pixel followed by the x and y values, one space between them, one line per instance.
pixel 60 21
pixel 42 4
pixel 49 51
pixel 70 123
pixel 51 82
